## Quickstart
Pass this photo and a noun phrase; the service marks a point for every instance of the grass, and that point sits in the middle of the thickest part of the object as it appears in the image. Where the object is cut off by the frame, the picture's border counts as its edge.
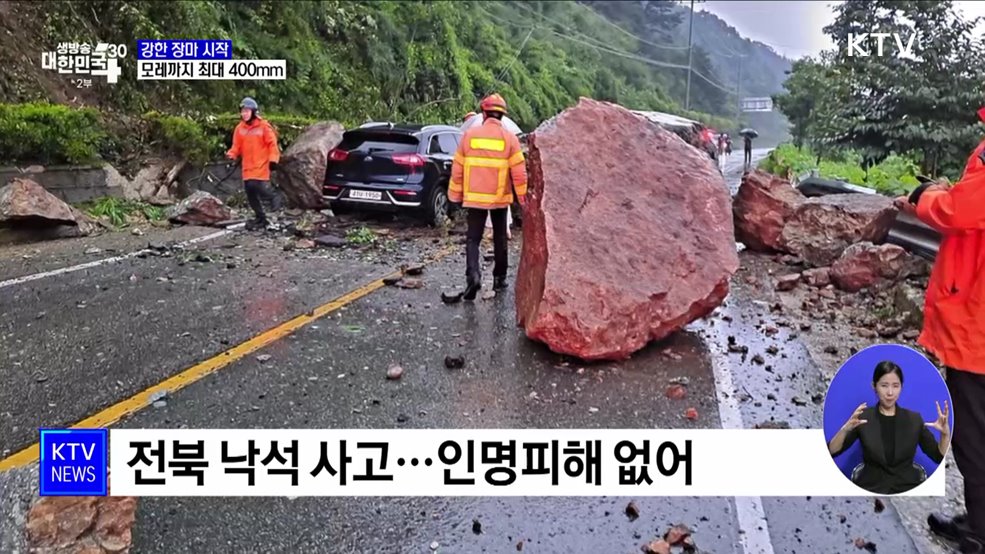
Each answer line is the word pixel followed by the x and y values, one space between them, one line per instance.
pixel 361 236
pixel 120 213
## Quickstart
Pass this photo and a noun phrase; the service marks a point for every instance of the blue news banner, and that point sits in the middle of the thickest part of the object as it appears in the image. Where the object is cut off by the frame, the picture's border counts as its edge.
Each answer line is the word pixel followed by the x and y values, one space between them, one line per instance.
pixel 185 49
pixel 74 462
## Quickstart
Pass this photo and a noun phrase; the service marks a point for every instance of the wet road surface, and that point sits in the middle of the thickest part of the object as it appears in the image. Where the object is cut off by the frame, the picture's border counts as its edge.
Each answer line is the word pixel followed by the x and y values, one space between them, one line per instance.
pixel 76 343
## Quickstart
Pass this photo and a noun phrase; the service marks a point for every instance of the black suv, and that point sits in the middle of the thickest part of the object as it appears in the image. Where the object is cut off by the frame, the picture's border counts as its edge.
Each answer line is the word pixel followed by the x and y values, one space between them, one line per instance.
pixel 382 166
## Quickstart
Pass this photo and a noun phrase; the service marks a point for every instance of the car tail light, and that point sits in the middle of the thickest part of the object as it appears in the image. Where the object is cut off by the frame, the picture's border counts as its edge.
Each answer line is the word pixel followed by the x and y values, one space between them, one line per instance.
pixel 337 155
pixel 410 160
pixel 405 193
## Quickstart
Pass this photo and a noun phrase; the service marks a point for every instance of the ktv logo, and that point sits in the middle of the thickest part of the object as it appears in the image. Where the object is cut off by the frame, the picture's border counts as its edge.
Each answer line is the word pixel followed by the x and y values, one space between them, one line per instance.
pixel 861 45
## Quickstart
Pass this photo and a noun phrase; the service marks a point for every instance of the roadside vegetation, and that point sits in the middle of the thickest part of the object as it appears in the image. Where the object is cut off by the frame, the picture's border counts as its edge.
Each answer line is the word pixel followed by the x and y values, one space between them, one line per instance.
pixel 350 61
pixel 893 176
pixel 122 213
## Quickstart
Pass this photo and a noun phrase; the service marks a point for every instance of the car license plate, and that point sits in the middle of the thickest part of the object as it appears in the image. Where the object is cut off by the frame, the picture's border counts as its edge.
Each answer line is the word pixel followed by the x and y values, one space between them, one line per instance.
pixel 366 194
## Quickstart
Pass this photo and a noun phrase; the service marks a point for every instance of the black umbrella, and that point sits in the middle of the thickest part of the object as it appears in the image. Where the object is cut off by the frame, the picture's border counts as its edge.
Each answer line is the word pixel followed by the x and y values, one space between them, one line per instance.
pixel 747 132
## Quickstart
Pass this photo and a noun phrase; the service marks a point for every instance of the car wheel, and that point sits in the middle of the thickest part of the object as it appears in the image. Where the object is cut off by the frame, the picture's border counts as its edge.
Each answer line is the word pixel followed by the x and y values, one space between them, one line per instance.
pixel 438 206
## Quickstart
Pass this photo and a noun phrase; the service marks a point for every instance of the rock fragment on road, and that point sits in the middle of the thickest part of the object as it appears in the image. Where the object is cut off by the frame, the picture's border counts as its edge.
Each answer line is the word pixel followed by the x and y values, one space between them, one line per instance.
pixel 394 372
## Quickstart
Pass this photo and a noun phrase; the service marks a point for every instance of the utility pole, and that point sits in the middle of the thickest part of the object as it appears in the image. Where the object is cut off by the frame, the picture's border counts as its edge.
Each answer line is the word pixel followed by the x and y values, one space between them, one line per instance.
pixel 738 93
pixel 690 30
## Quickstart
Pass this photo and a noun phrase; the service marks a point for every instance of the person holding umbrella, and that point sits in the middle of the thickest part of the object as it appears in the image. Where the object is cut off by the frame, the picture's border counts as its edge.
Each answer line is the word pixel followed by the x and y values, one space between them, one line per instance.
pixel 747 135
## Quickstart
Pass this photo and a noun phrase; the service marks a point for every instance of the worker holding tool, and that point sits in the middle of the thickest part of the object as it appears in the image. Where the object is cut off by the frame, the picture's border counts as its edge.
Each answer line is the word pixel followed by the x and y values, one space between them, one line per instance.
pixel 255 145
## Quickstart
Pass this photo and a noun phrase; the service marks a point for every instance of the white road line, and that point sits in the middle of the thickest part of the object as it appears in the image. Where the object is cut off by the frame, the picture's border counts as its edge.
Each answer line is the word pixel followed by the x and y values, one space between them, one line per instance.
pixel 749 509
pixel 96 263
pixel 755 535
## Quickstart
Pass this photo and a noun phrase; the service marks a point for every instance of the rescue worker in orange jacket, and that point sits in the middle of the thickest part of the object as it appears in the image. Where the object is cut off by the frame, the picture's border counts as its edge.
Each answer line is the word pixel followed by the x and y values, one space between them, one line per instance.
pixel 255 143
pixel 954 329
pixel 488 169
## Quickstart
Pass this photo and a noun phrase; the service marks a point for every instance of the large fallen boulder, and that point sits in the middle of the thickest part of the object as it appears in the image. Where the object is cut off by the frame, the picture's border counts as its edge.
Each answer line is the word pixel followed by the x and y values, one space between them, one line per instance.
pixel 864 264
pixel 201 208
pixel 761 207
pixel 821 228
pixel 301 171
pixel 627 236
pixel 30 211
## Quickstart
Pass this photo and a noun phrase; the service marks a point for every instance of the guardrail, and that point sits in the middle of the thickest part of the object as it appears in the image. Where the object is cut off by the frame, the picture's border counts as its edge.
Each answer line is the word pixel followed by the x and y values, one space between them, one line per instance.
pixel 907 231
pixel 915 236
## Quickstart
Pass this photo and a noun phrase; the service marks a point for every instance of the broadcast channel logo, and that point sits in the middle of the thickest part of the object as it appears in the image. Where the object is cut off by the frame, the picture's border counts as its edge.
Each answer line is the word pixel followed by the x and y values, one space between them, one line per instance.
pixel 74 462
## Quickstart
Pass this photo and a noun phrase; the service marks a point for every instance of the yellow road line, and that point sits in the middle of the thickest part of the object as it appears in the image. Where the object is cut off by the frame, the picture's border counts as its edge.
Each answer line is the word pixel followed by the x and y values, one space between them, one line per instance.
pixel 135 403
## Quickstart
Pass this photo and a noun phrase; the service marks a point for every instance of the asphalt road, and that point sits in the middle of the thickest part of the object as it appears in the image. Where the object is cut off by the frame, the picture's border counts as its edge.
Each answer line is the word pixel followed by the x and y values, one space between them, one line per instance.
pixel 75 343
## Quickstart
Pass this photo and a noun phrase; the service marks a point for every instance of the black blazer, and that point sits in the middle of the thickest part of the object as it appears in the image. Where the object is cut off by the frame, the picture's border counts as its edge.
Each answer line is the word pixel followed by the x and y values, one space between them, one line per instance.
pixel 897 474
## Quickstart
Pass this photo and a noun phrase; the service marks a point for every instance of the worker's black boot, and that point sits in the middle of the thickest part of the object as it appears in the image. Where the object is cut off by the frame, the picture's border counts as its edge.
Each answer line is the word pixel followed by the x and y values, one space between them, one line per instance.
pixel 499 283
pixel 950 528
pixel 472 288
pixel 971 544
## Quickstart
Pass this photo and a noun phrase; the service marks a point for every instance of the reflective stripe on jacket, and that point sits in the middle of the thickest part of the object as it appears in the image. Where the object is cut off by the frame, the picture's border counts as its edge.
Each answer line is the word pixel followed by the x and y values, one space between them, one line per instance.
pixel 256 144
pixel 488 168
pixel 954 311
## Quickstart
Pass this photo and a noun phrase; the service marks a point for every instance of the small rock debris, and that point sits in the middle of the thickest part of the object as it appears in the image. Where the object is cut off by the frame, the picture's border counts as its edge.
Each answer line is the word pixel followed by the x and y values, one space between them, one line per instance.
pixel 394 372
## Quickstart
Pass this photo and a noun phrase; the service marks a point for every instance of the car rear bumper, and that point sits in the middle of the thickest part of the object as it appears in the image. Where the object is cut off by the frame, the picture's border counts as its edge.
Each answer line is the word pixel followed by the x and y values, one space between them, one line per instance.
pixel 390 197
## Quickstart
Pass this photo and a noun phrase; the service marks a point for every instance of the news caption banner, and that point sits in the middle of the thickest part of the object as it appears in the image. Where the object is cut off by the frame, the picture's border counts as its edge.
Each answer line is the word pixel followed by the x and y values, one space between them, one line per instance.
pixel 200 59
pixel 445 462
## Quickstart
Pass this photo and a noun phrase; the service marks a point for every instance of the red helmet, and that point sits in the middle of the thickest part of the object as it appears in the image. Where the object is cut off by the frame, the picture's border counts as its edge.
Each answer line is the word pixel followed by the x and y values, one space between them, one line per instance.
pixel 981 114
pixel 493 103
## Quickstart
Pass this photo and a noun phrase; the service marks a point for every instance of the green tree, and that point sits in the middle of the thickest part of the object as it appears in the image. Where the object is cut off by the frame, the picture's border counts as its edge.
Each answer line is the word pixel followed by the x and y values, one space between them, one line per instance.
pixel 924 104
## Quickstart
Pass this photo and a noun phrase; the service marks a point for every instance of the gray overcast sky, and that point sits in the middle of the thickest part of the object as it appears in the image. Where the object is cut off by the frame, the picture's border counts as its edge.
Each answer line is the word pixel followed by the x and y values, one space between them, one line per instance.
pixel 792 27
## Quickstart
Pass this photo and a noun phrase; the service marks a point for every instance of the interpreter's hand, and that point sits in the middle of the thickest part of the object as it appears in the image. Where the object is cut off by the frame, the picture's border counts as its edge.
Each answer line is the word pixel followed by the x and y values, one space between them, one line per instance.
pixel 855 420
pixel 230 156
pixel 903 204
pixel 522 200
pixel 941 423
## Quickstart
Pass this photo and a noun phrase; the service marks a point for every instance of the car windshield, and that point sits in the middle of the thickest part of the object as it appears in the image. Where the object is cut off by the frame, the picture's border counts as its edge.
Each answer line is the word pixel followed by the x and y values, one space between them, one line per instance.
pixel 379 142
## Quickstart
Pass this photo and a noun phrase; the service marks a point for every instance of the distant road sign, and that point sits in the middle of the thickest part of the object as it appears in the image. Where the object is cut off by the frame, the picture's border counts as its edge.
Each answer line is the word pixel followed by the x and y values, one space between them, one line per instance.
pixel 764 104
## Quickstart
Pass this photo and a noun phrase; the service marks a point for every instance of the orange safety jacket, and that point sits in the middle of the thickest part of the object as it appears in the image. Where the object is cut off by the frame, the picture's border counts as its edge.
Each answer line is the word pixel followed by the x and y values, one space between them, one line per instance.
pixel 488 161
pixel 954 311
pixel 256 143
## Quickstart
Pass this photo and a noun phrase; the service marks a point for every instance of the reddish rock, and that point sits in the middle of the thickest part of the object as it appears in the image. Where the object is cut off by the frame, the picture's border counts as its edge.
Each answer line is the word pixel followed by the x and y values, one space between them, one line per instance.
pixel 761 207
pixel 864 264
pixel 787 282
pixel 114 523
pixel 818 276
pixel 301 172
pixel 676 392
pixel 656 547
pixel 821 228
pixel 627 235
pixel 677 534
pixel 201 208
pixel 27 206
pixel 96 525
pixel 691 414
